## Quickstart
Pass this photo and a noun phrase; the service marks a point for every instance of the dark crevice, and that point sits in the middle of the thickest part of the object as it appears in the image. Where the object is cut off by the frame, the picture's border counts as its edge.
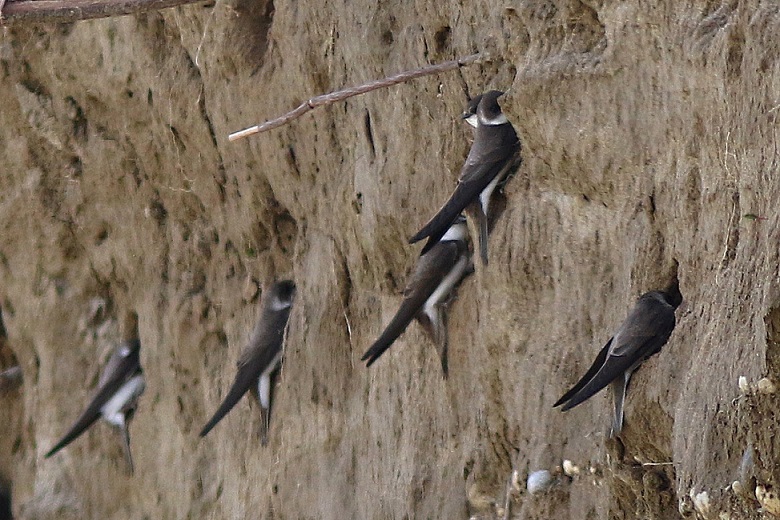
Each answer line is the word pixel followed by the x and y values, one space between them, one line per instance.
pixel 292 161
pixel 75 168
pixel 441 39
pixel 5 500
pixel 250 32
pixel 181 147
pixel 370 134
pixel 346 293
pixel 357 203
pixel 76 114
pixel 219 176
pixel 388 39
pixel 157 210
pixel 35 87
pixel 286 230
pixel 772 324
pixel 732 241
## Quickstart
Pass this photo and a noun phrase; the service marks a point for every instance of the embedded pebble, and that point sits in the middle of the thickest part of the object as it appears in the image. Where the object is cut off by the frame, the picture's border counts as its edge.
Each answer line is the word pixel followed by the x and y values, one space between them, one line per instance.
pixel 539 481
pixel 515 481
pixel 685 506
pixel 570 469
pixel 766 386
pixel 701 502
pixel 768 500
pixel 743 384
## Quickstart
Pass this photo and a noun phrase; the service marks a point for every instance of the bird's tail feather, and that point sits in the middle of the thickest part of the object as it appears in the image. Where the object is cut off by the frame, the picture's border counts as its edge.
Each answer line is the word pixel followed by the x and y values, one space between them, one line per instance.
pixel 619 398
pixel 84 422
pixel 395 328
pixel 125 431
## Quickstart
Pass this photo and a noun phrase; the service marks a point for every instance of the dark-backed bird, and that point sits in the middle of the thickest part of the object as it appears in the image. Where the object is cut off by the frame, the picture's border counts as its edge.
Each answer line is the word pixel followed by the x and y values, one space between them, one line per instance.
pixel 120 385
pixel 435 276
pixel 261 357
pixel 493 156
pixel 646 329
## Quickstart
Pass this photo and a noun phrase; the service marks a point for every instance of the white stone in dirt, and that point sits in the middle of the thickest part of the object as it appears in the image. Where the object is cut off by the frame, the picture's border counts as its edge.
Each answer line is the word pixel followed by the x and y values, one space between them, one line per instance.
pixel 768 499
pixel 701 502
pixel 570 469
pixel 539 481
pixel 766 386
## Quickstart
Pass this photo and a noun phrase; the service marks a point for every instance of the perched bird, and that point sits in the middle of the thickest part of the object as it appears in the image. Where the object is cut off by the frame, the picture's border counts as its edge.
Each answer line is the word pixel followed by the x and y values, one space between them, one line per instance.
pixel 120 385
pixel 435 276
pixel 646 329
pixel 261 357
pixel 493 156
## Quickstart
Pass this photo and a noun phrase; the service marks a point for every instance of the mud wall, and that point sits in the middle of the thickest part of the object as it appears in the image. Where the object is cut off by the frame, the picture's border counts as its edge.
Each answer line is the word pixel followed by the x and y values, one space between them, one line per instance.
pixel 649 132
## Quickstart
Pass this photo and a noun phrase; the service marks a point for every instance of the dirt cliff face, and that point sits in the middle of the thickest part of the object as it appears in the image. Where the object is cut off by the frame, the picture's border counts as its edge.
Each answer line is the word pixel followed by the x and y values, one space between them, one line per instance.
pixel 648 132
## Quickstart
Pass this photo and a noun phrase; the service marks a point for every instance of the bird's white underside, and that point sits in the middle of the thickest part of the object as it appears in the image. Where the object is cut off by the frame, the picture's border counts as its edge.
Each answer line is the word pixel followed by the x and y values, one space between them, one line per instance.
pixel 277 304
pixel 264 382
pixel 484 197
pixel 444 288
pixel 455 232
pixel 112 410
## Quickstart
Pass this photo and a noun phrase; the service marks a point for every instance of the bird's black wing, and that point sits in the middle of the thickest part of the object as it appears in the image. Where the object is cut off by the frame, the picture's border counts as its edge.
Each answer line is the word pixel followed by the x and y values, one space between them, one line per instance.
pixel 124 364
pixel 264 345
pixel 592 371
pixel 493 150
pixel 641 335
pixel 430 270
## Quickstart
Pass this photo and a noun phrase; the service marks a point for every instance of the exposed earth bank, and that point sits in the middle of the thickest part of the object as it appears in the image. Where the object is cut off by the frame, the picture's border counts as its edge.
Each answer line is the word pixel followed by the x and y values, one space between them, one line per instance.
pixel 650 147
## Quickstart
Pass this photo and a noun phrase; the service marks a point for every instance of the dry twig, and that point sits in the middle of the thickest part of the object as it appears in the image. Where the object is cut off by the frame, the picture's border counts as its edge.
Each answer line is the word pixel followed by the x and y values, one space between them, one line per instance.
pixel 341 95
pixel 16 12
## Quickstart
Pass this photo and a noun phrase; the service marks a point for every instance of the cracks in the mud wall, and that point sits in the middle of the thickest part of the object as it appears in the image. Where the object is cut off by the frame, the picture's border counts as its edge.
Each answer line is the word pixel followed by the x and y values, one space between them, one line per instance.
pixel 219 175
pixel 60 143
